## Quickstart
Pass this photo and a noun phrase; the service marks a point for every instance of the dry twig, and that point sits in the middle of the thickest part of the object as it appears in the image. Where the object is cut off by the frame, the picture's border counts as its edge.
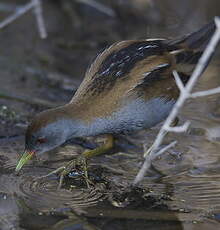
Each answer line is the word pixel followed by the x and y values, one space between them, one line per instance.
pixel 185 93
pixel 36 6
pixel 39 17
pixel 100 7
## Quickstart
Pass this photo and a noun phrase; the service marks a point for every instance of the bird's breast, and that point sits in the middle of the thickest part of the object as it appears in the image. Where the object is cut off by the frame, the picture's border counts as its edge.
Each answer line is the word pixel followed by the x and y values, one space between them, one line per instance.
pixel 135 115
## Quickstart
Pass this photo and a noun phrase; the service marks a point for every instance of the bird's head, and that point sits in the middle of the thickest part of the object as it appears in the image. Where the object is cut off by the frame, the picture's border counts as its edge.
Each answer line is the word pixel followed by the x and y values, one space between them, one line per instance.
pixel 44 133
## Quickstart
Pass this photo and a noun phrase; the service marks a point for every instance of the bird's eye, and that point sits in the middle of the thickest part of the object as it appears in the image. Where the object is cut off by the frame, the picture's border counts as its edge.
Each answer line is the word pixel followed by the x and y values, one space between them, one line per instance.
pixel 41 140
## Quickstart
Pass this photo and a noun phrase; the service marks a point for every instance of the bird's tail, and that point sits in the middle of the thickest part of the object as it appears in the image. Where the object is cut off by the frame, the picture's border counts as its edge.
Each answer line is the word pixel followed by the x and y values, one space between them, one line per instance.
pixel 188 49
pixel 198 39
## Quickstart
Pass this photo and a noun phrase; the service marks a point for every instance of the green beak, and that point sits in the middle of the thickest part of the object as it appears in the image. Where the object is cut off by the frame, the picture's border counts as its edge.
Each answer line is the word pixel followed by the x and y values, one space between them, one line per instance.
pixel 27 155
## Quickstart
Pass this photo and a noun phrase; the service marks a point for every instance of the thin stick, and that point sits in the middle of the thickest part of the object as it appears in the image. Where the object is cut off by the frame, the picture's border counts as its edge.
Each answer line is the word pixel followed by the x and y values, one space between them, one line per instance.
pixel 33 4
pixel 17 14
pixel 205 93
pixel 178 81
pixel 39 17
pixel 148 160
pixel 102 8
pixel 185 93
pixel 178 129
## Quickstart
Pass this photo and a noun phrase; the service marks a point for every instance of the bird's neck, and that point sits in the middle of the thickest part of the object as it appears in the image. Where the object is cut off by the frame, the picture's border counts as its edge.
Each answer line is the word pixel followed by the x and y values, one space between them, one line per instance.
pixel 68 119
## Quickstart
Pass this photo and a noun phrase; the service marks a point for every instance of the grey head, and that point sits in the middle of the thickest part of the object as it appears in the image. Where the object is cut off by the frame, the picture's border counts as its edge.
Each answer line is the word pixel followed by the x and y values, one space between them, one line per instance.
pixel 46 131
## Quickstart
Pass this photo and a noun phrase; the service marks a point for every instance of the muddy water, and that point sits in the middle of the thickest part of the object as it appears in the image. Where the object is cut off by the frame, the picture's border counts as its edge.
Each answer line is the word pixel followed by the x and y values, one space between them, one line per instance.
pixel 184 195
pixel 181 192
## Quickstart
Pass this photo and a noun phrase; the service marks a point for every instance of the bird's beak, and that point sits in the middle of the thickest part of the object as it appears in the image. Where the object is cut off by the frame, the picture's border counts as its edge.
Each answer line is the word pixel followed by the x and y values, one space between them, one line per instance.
pixel 27 155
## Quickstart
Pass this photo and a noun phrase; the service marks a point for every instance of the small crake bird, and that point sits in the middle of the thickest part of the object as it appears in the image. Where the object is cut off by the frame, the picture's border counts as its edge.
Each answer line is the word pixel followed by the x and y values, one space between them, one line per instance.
pixel 129 86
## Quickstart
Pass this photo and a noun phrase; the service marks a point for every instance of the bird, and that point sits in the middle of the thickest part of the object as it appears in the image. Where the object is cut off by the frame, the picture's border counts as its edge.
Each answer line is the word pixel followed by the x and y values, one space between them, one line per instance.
pixel 129 86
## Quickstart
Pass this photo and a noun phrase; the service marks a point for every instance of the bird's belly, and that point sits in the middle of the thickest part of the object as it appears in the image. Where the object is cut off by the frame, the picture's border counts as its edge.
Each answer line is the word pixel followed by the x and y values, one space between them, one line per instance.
pixel 137 114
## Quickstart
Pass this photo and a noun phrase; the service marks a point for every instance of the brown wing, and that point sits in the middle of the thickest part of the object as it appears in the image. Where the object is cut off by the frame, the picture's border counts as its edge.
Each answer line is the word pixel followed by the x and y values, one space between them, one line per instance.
pixel 122 60
pixel 116 73
pixel 182 55
pixel 140 68
pixel 115 65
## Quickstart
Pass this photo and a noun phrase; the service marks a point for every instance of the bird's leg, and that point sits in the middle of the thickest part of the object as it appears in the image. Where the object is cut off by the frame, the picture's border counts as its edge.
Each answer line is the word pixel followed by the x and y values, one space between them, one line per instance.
pixel 102 149
pixel 81 161
pixel 73 164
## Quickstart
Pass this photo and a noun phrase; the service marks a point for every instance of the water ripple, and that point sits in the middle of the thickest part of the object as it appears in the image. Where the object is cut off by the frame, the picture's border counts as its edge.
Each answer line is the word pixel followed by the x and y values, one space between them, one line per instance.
pixel 42 194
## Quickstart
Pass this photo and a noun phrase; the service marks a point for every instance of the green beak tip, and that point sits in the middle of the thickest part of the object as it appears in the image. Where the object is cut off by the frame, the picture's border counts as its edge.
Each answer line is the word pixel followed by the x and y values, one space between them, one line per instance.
pixel 24 159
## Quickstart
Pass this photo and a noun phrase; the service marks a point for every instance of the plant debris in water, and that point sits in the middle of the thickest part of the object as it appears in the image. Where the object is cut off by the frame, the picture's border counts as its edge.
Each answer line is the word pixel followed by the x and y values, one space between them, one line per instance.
pixel 7 114
pixel 117 195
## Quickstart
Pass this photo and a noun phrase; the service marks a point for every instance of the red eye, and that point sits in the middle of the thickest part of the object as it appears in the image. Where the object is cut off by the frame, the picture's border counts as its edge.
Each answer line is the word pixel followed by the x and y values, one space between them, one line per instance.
pixel 41 140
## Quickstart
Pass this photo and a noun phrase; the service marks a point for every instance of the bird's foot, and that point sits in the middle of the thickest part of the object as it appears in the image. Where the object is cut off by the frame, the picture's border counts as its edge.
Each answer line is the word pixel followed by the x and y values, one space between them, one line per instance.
pixel 79 165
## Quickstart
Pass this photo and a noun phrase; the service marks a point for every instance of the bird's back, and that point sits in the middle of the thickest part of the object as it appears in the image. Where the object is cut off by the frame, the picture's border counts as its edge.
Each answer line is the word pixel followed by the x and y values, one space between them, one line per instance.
pixel 134 70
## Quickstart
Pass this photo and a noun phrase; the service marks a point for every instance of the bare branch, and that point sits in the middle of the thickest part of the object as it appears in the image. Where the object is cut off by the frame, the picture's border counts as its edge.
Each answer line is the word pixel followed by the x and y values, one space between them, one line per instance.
pixel 39 17
pixel 164 149
pixel 148 162
pixel 102 8
pixel 217 22
pixel 17 14
pixel 178 81
pixel 33 4
pixel 205 93
pixel 178 129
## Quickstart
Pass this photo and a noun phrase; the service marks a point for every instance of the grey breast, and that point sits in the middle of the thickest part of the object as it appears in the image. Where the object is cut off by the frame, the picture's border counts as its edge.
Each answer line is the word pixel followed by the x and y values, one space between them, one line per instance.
pixel 134 115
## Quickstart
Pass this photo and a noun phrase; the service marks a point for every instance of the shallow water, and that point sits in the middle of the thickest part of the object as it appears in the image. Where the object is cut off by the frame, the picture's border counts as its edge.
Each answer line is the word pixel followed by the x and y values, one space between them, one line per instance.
pixel 186 196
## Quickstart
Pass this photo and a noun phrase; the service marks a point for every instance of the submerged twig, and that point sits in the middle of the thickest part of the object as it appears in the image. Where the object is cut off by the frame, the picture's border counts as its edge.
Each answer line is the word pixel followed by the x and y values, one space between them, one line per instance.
pixel 185 93
pixel 19 12
pixel 33 4
pixel 100 7
pixel 39 17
